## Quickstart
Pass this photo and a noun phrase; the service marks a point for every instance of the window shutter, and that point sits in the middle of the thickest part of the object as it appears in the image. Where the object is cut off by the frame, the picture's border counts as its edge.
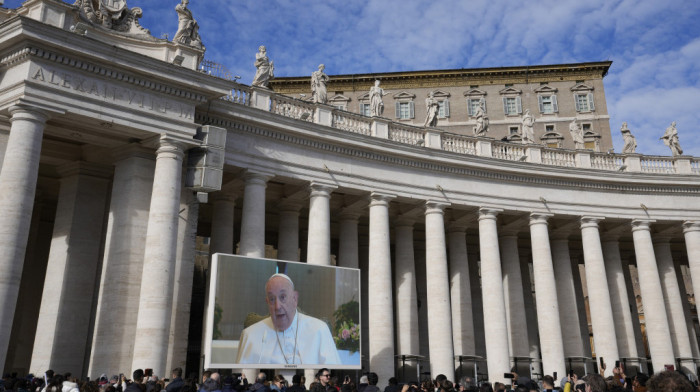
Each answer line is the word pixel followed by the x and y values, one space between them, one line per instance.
pixel 539 101
pixel 447 108
pixel 555 107
pixel 519 105
pixel 398 109
pixel 578 109
pixel 482 102
pixel 590 101
pixel 411 109
pixel 470 109
pixel 505 105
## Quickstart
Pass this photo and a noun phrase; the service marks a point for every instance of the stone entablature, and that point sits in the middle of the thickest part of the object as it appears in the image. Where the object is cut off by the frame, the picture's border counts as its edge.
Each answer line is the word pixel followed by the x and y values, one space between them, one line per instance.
pixel 461 144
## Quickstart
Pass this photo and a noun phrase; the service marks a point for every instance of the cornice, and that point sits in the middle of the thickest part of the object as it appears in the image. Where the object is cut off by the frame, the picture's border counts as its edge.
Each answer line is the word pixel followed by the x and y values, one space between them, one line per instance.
pixel 24 53
pixel 498 174
pixel 20 33
pixel 450 77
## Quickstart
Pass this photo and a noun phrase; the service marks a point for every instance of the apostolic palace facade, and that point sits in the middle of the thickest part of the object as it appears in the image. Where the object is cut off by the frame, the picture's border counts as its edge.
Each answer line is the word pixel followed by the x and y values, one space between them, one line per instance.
pixel 492 239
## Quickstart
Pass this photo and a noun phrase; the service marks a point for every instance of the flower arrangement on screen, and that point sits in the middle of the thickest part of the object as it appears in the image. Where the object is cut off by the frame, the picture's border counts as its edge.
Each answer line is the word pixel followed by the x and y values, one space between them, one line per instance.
pixel 346 332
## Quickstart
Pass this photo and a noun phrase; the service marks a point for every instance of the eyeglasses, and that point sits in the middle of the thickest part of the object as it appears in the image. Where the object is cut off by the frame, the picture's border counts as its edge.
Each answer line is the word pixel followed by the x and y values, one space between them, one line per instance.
pixel 325 375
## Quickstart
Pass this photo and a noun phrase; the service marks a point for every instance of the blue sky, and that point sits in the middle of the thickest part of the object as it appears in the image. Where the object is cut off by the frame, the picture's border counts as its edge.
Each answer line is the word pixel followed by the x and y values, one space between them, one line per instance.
pixel 654 45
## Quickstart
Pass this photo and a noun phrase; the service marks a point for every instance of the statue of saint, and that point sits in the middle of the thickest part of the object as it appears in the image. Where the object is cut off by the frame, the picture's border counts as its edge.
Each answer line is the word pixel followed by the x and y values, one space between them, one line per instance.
pixel 376 105
pixel 528 128
pixel 670 139
pixel 577 135
pixel 630 142
pixel 482 122
pixel 433 107
pixel 319 79
pixel 265 68
pixel 187 27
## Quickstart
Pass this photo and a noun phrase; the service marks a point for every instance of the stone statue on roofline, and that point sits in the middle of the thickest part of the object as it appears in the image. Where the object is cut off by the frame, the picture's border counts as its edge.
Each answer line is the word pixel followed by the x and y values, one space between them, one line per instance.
pixel 265 68
pixel 319 79
pixel 376 104
pixel 630 142
pixel 577 135
pixel 528 128
pixel 670 139
pixel 433 107
pixel 187 27
pixel 482 122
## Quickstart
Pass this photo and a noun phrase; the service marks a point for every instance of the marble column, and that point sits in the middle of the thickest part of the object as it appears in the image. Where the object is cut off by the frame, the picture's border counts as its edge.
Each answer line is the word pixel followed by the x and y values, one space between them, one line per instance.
pixel 551 343
pixel 460 292
pixel 477 305
pixel 67 301
pixel 120 283
pixel 253 216
pixel 530 314
pixel 624 327
pixel 691 232
pixel 348 247
pixel 566 296
pixel 673 300
pixel 381 312
pixel 319 240
pixel 604 337
pixel 184 275
pixel 406 294
pixel 288 232
pixel 495 328
pixel 518 344
pixel 20 169
pixel 222 219
pixel 438 280
pixel 655 316
pixel 155 302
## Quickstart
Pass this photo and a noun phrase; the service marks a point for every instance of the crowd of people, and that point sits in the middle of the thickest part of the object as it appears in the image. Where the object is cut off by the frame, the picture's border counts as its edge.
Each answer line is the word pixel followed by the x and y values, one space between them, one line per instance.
pixel 324 381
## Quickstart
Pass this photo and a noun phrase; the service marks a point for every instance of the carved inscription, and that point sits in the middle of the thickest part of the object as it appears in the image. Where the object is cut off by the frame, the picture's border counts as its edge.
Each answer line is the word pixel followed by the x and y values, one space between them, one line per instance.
pixel 111 92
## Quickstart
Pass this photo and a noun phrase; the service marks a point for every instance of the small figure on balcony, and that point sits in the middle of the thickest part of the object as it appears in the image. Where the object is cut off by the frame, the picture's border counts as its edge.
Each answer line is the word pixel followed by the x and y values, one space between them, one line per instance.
pixel 433 107
pixel 266 68
pixel 482 122
pixel 187 28
pixel 528 128
pixel 577 135
pixel 630 142
pixel 376 105
pixel 670 139
pixel 319 94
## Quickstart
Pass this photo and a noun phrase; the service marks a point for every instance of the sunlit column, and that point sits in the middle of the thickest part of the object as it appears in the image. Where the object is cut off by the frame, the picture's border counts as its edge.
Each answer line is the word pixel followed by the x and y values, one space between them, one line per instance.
pixel 655 316
pixel 253 216
pixel 604 336
pixel 460 291
pixel 319 242
pixel 495 328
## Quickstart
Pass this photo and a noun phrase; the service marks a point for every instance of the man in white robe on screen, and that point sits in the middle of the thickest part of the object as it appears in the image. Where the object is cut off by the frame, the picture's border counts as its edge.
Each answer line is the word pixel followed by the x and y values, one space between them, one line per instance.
pixel 287 336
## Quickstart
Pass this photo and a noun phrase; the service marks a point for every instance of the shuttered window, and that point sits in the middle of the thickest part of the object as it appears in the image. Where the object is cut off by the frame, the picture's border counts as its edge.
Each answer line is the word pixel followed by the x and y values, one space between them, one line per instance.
pixel 404 110
pixel 512 105
pixel 548 104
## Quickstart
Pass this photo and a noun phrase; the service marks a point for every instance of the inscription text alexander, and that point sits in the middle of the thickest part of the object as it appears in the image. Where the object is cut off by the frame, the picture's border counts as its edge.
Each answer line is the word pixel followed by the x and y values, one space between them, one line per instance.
pixel 107 91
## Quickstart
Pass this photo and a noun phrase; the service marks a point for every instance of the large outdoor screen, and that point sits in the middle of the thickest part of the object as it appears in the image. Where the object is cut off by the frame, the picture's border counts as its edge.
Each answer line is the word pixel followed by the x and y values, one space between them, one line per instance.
pixel 273 314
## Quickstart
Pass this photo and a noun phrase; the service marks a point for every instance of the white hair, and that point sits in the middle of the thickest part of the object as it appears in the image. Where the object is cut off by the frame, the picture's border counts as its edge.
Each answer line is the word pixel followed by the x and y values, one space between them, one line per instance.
pixel 281 276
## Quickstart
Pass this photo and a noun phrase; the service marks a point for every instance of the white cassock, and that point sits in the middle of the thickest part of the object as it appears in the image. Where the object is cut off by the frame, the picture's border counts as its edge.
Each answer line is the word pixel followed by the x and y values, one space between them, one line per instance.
pixel 261 343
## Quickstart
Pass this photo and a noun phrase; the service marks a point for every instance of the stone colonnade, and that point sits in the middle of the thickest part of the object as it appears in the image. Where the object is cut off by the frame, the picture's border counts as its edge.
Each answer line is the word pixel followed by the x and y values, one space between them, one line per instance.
pixel 145 273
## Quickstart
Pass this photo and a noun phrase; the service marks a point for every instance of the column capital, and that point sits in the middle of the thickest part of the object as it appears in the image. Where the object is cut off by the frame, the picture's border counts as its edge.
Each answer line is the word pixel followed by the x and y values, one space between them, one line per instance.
pixel 221 196
pixel 254 177
pixel 690 226
pixel 404 221
pixel 642 224
pixel 319 189
pixel 85 168
pixel 435 207
pixel 590 221
pixel 28 113
pixel 489 213
pixel 454 227
pixel 289 205
pixel 348 214
pixel 378 198
pixel 537 218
